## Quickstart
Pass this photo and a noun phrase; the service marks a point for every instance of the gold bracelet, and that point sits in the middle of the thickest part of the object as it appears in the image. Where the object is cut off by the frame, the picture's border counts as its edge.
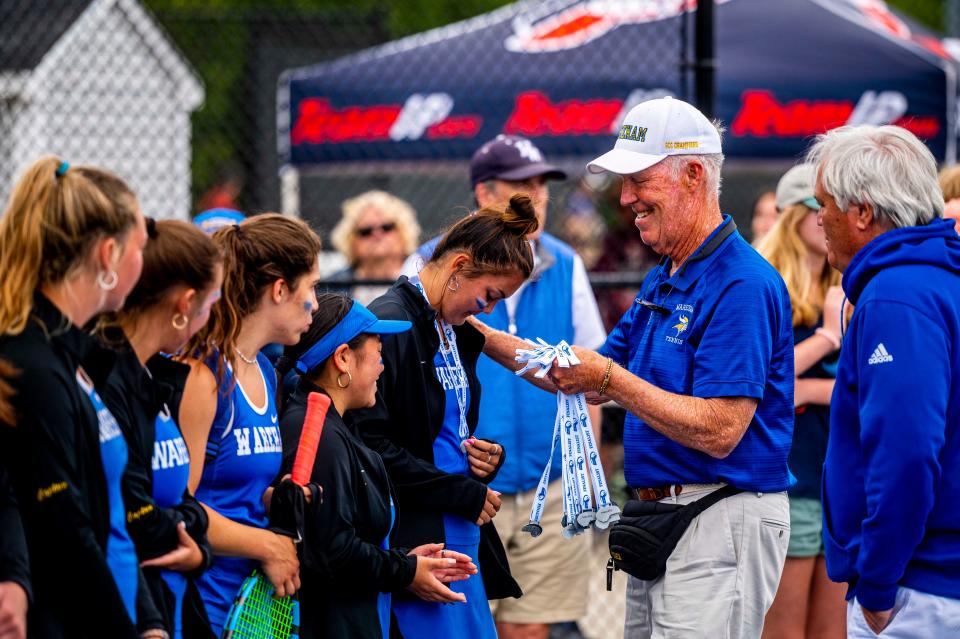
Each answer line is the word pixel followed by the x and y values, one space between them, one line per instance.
pixel 606 376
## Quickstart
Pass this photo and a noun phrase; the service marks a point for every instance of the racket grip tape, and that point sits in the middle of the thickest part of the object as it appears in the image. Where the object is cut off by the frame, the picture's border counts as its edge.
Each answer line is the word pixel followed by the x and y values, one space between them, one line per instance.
pixel 317 406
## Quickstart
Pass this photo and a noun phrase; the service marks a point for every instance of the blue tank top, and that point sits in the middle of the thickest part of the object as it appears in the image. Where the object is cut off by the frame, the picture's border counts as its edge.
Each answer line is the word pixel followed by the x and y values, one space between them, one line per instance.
pixel 121 554
pixel 243 457
pixel 171 471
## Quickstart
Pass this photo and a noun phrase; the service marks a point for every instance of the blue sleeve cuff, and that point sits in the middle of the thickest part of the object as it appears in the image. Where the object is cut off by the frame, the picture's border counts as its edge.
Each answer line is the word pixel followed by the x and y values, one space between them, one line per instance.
pixel 729 388
pixel 876 596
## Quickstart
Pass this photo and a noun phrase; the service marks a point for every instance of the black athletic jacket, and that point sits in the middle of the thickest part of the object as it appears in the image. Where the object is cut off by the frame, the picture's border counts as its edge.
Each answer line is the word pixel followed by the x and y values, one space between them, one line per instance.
pixel 53 456
pixel 406 420
pixel 14 564
pixel 135 399
pixel 347 568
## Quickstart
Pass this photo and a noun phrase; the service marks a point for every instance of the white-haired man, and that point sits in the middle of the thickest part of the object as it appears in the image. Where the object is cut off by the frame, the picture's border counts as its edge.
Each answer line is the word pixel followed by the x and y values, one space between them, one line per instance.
pixel 891 480
pixel 703 363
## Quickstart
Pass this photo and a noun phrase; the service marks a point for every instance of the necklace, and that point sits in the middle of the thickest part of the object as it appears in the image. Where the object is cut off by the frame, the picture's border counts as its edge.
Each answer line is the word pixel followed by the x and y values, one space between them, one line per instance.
pixel 244 357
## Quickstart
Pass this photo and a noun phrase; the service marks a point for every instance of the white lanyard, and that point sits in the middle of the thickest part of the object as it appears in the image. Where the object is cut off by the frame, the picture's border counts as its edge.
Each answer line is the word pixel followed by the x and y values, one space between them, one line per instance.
pixel 451 359
pixel 573 431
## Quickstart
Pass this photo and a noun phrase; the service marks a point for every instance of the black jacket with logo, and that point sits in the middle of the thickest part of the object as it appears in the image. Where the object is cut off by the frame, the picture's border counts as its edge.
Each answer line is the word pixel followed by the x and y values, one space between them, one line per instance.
pixel 344 569
pixel 406 420
pixel 53 457
pixel 135 398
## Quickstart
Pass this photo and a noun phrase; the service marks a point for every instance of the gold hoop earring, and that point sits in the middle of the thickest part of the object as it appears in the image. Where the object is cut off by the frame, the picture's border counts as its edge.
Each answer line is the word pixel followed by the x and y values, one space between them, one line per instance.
pixel 107 280
pixel 349 379
pixel 177 324
pixel 453 284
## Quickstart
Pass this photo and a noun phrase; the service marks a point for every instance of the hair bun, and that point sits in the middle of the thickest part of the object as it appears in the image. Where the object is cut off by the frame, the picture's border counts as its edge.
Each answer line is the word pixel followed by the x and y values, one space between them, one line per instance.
pixel 519 217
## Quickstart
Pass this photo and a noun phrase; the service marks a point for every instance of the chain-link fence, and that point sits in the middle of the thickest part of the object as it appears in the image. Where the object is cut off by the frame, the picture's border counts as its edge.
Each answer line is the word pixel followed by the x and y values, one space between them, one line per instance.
pixel 185 100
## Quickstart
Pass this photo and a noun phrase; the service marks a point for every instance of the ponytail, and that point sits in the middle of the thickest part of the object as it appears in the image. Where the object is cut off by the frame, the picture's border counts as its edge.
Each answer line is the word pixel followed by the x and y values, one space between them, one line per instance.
pixel 256 253
pixel 55 215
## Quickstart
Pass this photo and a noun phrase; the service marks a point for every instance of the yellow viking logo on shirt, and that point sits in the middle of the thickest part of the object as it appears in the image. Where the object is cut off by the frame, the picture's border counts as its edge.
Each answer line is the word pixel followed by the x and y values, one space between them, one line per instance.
pixel 681 326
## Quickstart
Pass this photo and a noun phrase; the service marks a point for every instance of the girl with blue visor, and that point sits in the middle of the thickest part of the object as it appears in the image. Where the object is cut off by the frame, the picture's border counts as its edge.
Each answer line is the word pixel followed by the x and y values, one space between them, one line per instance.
pixel 349 566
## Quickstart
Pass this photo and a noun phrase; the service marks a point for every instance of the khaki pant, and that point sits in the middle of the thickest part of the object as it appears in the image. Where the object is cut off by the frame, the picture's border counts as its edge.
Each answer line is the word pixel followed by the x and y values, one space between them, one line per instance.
pixel 551 570
pixel 721 578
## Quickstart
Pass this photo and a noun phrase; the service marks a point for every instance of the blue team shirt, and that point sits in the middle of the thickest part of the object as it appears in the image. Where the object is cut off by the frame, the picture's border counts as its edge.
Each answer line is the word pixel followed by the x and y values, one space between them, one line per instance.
pixel 121 554
pixel 171 471
pixel 726 332
pixel 243 456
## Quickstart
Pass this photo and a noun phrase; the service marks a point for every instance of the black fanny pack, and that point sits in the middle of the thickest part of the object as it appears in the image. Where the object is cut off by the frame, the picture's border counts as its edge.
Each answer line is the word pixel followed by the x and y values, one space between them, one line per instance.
pixel 648 531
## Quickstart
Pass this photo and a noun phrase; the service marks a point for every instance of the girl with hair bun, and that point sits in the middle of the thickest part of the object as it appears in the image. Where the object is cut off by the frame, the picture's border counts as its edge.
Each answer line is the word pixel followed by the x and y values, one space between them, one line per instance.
pixel 182 274
pixel 228 413
pixel 427 408
pixel 68 252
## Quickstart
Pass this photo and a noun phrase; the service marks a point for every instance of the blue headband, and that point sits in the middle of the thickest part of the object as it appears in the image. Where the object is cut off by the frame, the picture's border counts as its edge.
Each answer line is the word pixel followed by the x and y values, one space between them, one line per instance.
pixel 357 320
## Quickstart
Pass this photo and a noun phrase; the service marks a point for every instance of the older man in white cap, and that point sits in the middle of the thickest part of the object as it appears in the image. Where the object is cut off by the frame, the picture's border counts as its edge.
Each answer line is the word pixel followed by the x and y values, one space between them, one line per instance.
pixel 703 363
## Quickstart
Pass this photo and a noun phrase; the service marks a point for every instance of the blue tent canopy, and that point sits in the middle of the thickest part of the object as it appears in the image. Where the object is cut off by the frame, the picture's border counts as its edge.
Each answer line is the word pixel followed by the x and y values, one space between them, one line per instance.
pixel 563 72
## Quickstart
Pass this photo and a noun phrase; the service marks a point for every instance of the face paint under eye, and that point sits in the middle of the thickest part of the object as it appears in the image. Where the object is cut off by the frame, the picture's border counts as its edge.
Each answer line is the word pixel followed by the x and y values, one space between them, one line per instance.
pixel 481 303
pixel 308 306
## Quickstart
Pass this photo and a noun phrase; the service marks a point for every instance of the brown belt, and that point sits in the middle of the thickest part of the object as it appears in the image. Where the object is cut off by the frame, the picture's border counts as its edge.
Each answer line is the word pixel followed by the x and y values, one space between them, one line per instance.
pixel 662 492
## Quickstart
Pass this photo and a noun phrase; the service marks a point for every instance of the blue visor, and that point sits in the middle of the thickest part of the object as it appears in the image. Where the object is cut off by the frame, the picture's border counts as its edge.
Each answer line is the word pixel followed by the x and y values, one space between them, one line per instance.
pixel 357 320
pixel 811 203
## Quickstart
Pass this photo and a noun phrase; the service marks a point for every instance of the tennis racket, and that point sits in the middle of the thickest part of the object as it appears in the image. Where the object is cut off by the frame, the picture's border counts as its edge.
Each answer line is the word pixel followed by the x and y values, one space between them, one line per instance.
pixel 255 612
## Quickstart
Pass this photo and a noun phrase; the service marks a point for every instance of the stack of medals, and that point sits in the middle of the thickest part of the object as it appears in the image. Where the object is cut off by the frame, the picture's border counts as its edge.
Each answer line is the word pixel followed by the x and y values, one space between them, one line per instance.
pixel 573 433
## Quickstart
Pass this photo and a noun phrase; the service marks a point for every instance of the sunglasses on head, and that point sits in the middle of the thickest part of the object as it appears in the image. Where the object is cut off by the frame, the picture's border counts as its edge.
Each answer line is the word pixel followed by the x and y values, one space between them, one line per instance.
pixel 367 231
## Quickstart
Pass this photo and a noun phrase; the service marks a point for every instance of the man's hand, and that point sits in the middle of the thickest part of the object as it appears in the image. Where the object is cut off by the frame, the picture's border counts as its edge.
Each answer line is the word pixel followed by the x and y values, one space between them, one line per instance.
pixel 585 376
pixel 877 620
pixel 13 611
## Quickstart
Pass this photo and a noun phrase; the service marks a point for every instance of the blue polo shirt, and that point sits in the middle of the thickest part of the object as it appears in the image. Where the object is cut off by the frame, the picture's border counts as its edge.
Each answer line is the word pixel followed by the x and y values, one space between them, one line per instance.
pixel 721 328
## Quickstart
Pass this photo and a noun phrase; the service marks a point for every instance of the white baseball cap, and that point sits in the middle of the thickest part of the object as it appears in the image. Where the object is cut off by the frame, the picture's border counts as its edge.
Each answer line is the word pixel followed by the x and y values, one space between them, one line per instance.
pixel 655 129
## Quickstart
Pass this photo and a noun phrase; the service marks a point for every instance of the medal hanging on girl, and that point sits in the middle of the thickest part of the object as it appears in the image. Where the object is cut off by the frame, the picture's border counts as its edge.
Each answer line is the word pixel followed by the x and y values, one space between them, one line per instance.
pixel 451 359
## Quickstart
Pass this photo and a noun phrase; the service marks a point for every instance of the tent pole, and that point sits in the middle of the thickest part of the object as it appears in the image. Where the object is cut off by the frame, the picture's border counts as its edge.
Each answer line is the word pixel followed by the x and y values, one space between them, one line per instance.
pixel 290 191
pixel 705 63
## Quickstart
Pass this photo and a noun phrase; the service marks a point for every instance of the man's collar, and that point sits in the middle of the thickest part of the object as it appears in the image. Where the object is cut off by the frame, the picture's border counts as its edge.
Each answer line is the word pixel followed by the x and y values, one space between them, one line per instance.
pixel 697 263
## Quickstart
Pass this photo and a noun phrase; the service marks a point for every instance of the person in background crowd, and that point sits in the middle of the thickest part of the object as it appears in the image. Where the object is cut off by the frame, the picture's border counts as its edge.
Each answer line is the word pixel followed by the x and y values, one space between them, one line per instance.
pixel 808 604
pixel 428 404
pixel 212 220
pixel 14 563
pixel 891 478
pixel 765 214
pixel 182 273
pixel 228 413
pixel 67 253
pixel 376 234
pixel 348 569
pixel 711 306
pixel 950 185
pixel 555 303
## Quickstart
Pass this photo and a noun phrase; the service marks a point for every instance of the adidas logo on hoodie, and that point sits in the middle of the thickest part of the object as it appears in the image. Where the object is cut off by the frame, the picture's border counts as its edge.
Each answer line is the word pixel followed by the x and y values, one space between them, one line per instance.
pixel 880 355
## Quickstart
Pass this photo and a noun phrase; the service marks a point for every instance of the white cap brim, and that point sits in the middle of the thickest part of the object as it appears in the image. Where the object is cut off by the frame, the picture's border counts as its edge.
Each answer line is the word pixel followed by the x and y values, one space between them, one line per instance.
pixel 623 162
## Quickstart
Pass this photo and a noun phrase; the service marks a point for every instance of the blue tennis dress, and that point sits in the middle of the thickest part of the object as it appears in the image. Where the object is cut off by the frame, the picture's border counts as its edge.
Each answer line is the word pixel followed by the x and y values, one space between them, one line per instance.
pixel 243 457
pixel 121 554
pixel 171 471
pixel 471 620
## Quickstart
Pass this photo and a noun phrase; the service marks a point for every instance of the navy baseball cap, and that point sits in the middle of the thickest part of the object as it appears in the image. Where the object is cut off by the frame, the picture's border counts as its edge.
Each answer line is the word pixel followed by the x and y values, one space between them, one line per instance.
pixel 511 158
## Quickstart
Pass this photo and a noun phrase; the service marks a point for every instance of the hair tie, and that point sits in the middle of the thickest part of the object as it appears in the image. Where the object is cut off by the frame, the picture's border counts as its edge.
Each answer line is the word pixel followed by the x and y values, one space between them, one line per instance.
pixel 152 228
pixel 62 169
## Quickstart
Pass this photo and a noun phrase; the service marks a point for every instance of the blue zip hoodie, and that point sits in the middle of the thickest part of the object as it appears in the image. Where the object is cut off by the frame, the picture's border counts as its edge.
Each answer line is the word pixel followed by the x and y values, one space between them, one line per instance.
pixel 891 481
